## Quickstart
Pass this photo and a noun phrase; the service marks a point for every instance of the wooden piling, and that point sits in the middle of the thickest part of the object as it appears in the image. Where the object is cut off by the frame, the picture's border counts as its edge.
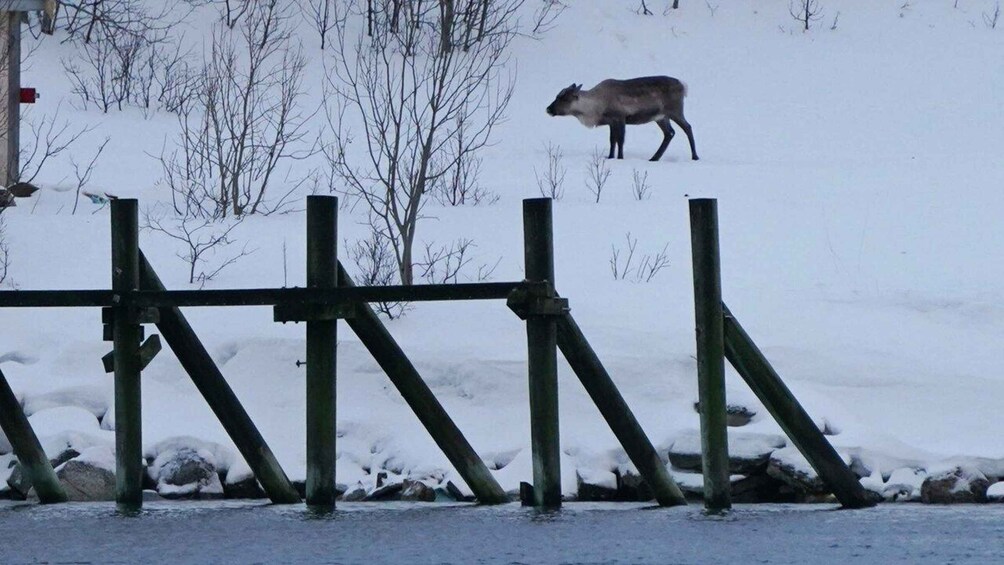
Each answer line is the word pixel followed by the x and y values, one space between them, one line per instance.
pixel 541 333
pixel 126 337
pixel 753 367
pixel 402 373
pixel 28 450
pixel 615 411
pixel 206 376
pixel 322 227
pixel 710 352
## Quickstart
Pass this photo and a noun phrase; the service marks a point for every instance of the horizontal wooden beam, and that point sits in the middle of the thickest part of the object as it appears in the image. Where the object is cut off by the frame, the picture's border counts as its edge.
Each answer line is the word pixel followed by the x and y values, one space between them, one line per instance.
pixel 259 296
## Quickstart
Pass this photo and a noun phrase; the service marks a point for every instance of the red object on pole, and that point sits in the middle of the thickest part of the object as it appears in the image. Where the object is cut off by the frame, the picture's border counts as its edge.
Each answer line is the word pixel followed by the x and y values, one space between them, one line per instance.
pixel 29 95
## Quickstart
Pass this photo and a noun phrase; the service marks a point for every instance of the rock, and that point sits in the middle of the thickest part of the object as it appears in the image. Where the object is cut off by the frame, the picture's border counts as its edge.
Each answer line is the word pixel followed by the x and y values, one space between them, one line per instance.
pixel 417 491
pixel 186 473
pixel 457 494
pixel 631 487
pixel 789 467
pixel 22 189
pixel 247 487
pixel 389 491
pixel 996 492
pixel 748 453
pixel 956 485
pixel 18 481
pixel 593 488
pixel 354 494
pixel 736 415
pixel 904 485
pixel 86 481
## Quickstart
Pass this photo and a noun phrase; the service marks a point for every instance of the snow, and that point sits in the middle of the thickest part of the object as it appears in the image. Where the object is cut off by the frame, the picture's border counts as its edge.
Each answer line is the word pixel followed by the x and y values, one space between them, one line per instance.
pixel 859 186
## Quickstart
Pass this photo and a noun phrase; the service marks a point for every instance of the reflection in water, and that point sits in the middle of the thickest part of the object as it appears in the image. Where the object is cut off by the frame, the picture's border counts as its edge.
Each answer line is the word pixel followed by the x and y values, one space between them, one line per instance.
pixel 240 532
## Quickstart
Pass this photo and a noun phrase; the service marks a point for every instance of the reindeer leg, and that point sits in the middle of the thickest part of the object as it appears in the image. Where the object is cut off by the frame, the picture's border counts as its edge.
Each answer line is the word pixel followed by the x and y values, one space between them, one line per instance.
pixel 613 140
pixel 667 136
pixel 621 131
pixel 685 126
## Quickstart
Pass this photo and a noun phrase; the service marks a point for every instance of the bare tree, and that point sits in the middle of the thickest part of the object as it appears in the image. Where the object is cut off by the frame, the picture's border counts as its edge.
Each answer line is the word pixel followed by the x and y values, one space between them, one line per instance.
pixel 412 93
pixel 202 239
pixel 95 20
pixel 321 15
pixel 597 174
pixel 991 19
pixel 244 121
pixel 805 11
pixel 551 182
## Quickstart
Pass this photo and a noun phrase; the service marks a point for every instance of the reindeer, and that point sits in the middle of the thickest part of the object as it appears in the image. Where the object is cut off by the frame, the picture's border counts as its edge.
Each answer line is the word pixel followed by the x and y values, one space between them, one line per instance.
pixel 616 103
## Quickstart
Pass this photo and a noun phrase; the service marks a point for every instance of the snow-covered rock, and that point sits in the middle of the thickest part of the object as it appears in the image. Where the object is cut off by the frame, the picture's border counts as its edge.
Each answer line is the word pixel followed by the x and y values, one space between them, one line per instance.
pixel 90 476
pixel 959 484
pixel 748 453
pixel 904 485
pixel 995 492
pixel 184 472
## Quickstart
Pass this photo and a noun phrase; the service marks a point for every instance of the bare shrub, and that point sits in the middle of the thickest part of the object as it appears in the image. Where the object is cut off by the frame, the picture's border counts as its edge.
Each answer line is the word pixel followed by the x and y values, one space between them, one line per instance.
pixel 805 11
pixel 991 19
pixel 244 122
pixel 639 185
pixel 424 84
pixel 624 267
pixel 205 243
pixel 83 172
pixel 597 174
pixel 446 264
pixel 459 186
pixel 546 15
pixel 376 266
pixel 50 137
pixel 551 181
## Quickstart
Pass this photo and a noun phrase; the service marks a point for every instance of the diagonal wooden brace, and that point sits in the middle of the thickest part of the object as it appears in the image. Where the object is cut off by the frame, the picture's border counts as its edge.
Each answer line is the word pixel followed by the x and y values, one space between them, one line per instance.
pixel 141 316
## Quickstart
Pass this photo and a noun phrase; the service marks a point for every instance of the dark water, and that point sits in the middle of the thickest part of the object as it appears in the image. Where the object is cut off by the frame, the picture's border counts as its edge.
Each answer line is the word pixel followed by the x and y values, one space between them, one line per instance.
pixel 422 533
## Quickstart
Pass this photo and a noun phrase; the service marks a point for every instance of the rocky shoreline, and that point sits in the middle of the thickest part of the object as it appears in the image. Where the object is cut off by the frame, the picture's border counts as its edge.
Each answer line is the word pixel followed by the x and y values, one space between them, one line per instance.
pixel 765 469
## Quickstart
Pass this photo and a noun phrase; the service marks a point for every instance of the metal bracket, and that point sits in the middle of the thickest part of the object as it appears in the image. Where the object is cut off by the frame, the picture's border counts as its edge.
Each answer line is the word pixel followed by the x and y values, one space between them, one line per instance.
pixel 312 312
pixel 527 301
pixel 150 348
pixel 142 316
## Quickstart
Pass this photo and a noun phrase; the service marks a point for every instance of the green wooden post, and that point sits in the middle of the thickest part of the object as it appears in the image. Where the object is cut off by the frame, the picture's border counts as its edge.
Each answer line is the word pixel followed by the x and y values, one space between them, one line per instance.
pixel 126 337
pixel 541 333
pixel 322 226
pixel 206 376
pixel 608 399
pixel 753 367
pixel 402 373
pixel 710 355
pixel 28 450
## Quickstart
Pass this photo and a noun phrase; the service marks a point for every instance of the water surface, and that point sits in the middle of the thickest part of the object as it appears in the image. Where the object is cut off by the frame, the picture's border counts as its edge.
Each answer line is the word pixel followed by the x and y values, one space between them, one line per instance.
pixel 245 532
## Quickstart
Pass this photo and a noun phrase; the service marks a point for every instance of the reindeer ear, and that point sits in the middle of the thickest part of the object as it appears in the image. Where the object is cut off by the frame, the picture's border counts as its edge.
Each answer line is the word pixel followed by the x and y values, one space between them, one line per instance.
pixel 577 88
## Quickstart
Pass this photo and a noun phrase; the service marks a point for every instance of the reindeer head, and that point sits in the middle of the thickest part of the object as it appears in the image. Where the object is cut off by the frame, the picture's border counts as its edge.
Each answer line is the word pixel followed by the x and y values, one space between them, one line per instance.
pixel 562 105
